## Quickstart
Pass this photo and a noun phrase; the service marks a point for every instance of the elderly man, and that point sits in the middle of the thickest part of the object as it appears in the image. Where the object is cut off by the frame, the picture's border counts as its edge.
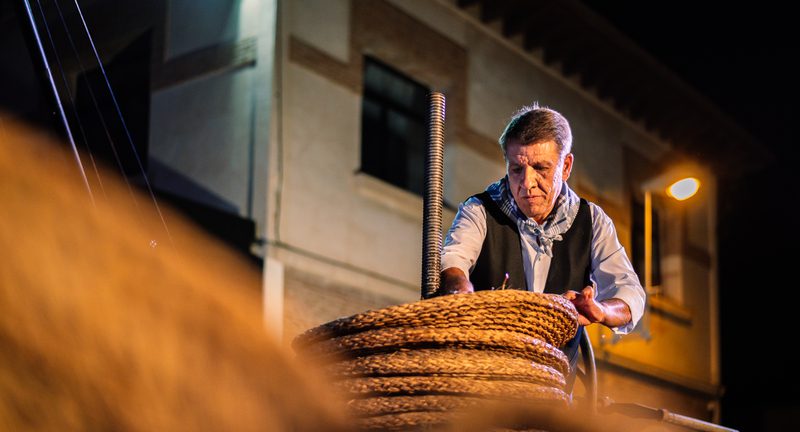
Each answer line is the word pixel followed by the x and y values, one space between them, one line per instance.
pixel 533 230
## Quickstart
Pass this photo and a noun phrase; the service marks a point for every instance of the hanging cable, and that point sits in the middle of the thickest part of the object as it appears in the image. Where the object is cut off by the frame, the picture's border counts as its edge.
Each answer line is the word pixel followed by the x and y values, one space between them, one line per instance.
pixel 69 95
pixel 58 100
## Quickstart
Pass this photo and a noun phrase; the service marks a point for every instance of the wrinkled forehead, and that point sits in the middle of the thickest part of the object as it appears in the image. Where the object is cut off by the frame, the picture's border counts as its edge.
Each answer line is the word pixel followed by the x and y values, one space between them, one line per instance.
pixel 538 152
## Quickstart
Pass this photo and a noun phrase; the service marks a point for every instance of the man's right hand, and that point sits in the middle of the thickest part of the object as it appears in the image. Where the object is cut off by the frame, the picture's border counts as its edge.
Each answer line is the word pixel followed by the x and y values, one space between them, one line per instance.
pixel 454 281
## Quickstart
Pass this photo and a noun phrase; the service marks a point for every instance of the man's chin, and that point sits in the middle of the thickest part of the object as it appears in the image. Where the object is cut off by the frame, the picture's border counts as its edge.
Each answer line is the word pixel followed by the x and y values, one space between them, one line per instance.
pixel 529 211
pixel 532 212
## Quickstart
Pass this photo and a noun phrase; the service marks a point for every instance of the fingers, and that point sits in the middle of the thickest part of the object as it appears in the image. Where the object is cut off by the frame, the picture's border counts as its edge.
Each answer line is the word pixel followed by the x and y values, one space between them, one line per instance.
pixel 588 291
pixel 582 301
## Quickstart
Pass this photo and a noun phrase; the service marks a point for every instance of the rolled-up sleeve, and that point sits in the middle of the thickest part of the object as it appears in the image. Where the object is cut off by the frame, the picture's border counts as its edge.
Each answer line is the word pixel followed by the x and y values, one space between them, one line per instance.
pixel 465 237
pixel 612 270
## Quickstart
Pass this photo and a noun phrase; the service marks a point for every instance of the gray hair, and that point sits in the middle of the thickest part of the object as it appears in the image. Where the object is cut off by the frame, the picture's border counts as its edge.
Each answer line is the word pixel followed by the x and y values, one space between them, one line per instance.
pixel 533 124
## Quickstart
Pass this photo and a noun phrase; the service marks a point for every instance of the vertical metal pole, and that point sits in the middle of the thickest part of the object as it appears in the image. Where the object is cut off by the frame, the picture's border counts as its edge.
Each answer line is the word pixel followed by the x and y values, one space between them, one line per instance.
pixel 432 199
pixel 591 371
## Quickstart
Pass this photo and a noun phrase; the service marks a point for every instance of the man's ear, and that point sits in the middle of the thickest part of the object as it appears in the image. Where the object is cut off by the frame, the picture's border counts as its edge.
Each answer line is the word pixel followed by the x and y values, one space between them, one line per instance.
pixel 568 159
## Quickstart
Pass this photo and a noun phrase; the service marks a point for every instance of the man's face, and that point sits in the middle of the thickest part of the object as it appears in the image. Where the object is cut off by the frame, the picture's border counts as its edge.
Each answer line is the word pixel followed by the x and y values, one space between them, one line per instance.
pixel 535 175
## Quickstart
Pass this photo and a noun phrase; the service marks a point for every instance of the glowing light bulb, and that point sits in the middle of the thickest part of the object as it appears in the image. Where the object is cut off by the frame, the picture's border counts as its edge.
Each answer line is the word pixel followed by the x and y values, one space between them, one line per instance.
pixel 684 189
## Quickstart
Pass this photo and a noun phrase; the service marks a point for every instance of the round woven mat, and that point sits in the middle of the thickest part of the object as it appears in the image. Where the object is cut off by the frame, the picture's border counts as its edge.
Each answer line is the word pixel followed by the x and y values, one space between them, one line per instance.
pixel 548 317
pixel 424 385
pixel 383 405
pixel 421 420
pixel 377 341
pixel 548 368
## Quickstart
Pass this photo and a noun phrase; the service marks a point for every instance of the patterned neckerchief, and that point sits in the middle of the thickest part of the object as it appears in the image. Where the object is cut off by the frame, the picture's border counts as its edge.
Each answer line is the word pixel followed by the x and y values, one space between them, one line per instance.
pixel 556 223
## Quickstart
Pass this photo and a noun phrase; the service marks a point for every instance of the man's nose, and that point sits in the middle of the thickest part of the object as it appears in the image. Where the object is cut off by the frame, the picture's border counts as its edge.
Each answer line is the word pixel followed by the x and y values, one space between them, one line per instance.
pixel 530 178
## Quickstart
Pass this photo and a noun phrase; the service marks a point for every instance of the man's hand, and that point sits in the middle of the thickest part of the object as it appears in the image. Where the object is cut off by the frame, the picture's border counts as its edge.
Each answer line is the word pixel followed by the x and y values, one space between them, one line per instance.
pixel 611 313
pixel 454 281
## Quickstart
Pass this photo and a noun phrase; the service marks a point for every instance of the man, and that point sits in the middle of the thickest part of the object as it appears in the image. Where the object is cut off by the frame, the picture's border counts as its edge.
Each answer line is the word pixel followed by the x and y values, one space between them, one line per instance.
pixel 530 231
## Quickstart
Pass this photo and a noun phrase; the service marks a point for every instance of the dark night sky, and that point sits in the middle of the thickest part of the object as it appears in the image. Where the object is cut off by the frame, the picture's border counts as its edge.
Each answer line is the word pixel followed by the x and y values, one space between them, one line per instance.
pixel 738 56
pixel 741 58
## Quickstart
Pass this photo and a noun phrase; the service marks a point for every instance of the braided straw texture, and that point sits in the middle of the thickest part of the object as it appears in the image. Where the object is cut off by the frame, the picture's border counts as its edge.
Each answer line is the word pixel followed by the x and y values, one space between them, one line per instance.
pixel 548 368
pixel 422 385
pixel 420 420
pixel 547 317
pixel 393 339
pixel 413 413
pixel 384 405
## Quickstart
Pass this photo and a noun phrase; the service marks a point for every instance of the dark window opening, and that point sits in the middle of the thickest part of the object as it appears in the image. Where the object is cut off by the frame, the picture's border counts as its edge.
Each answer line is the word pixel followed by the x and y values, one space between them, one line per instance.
pixel 393 125
pixel 637 243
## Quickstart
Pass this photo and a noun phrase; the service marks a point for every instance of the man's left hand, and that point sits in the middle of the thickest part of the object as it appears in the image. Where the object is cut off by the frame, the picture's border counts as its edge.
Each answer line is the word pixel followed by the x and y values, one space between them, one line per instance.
pixel 612 312
pixel 589 310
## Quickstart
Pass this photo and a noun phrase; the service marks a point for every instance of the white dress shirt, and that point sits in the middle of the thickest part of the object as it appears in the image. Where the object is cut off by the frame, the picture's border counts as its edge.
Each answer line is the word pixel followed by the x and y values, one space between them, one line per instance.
pixel 612 273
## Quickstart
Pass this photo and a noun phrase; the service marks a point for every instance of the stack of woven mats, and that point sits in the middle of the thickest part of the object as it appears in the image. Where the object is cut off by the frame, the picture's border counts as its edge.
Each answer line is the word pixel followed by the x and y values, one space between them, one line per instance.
pixel 420 364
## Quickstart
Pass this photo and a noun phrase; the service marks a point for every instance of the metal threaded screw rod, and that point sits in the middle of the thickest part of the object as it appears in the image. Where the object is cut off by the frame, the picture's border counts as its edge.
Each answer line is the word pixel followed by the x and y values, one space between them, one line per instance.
pixel 432 199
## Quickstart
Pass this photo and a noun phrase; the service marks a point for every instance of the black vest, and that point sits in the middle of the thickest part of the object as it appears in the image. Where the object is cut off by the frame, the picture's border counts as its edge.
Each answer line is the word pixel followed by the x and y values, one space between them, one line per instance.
pixel 501 253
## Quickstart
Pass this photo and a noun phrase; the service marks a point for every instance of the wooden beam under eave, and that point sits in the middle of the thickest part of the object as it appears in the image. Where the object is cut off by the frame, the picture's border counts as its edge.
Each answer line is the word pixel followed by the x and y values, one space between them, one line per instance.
pixel 513 25
pixel 494 10
pixel 571 65
pixel 650 122
pixel 666 114
pixel 466 3
pixel 532 40
pixel 695 134
pixel 583 59
pixel 715 140
pixel 618 79
pixel 638 96
pixel 684 129
pixel 560 45
pixel 646 98
pixel 669 110
pixel 611 86
pixel 518 19
pixel 603 72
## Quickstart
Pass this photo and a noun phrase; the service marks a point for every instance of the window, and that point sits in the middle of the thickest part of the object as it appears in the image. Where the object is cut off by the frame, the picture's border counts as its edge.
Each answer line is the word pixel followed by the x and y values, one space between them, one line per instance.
pixel 393 127
pixel 637 243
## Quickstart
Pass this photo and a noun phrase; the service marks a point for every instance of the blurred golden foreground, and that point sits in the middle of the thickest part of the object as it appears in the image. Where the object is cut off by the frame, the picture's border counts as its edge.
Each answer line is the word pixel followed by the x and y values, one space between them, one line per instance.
pixel 106 324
